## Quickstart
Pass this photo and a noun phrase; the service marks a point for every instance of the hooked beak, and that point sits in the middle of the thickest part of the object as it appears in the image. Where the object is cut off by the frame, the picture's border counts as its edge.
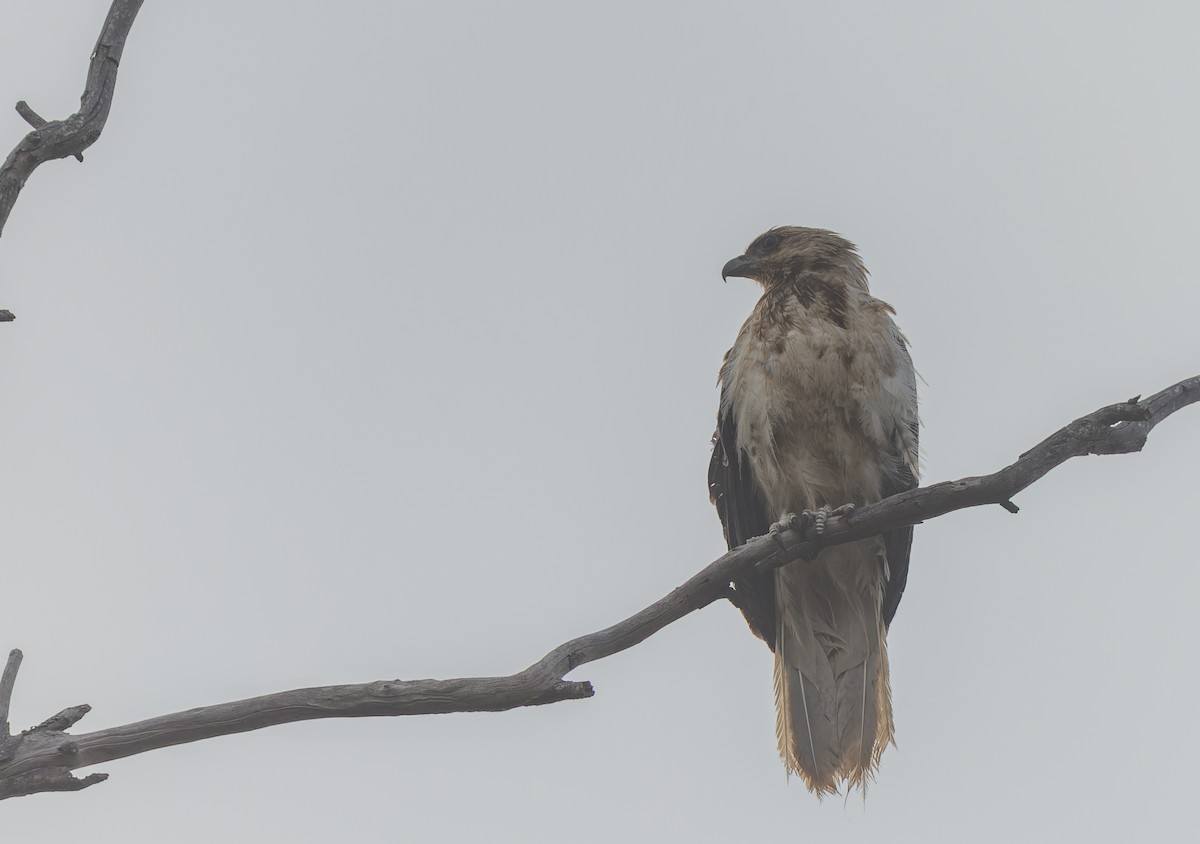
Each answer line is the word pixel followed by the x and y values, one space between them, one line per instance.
pixel 739 267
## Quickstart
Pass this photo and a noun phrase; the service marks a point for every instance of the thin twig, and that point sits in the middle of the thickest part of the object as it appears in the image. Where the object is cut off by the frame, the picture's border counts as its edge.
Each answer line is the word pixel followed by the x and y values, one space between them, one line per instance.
pixel 7 681
pixel 1119 427
pixel 64 720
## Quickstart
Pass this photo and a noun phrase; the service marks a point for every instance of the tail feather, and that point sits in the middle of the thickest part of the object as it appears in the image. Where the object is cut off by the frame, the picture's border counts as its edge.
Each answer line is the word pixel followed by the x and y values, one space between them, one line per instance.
pixel 832 696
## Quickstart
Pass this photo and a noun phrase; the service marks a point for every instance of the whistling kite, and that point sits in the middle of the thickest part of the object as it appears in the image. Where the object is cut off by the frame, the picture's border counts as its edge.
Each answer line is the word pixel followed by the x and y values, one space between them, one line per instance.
pixel 818 410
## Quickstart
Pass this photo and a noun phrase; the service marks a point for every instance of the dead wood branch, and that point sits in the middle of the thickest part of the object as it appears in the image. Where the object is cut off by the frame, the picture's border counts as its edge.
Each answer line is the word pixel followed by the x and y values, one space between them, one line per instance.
pixel 62 138
pixel 40 759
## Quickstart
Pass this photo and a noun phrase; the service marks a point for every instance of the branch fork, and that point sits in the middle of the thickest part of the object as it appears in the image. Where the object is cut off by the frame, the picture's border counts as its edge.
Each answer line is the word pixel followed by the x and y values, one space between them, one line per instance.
pixel 47 737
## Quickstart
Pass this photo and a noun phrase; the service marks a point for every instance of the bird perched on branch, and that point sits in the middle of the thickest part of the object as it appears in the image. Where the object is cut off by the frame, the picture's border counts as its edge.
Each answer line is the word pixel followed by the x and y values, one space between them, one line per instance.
pixel 818 411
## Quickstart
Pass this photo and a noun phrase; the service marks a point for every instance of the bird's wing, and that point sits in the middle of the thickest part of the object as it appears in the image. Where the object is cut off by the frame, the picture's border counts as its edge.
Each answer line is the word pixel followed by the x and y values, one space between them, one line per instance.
pixel 739 503
pixel 902 475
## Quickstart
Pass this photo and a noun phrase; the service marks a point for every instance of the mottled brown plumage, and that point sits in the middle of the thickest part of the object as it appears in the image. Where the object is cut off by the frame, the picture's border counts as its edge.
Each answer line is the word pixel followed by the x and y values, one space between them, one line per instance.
pixel 818 408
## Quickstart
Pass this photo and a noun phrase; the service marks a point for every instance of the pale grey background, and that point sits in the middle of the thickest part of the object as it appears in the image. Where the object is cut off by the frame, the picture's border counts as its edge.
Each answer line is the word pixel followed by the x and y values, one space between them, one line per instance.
pixel 379 340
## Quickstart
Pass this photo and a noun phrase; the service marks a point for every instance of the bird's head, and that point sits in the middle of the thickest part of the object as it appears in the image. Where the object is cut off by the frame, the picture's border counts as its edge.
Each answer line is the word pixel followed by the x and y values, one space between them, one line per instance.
pixel 784 254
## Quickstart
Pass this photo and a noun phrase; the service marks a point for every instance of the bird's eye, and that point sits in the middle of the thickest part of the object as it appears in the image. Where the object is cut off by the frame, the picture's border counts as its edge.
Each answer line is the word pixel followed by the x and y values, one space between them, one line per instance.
pixel 769 243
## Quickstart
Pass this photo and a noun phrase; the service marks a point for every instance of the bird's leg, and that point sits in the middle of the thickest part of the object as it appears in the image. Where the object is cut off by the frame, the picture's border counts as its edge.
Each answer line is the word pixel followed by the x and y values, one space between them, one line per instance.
pixel 815 519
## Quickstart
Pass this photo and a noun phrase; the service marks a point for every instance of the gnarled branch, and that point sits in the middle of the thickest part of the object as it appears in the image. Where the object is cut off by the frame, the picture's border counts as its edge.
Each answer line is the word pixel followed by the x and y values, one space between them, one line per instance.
pixel 61 138
pixel 40 759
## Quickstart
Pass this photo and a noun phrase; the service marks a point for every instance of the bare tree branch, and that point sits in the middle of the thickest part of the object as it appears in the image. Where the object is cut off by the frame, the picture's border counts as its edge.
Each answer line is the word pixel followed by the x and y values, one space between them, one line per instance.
pixel 41 758
pixel 61 138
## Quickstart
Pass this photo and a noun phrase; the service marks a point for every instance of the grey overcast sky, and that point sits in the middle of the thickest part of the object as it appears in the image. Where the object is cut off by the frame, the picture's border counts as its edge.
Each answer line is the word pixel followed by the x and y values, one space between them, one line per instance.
pixel 379 340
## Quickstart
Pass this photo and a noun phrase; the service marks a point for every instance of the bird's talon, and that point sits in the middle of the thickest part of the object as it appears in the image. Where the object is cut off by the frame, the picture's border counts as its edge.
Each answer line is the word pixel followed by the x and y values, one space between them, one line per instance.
pixel 786 521
pixel 819 518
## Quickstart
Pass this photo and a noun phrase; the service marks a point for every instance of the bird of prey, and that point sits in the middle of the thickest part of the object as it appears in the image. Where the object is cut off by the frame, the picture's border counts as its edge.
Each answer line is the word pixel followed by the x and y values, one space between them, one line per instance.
pixel 818 411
